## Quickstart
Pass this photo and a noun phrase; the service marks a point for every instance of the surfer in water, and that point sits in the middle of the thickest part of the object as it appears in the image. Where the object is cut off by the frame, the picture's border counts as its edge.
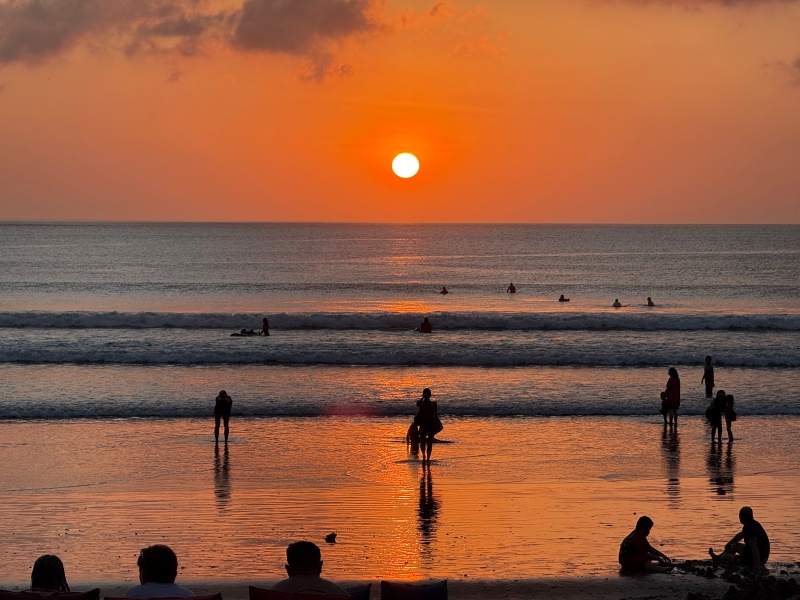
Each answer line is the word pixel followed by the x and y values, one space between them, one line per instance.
pixel 264 327
pixel 425 326
pixel 222 410
pixel 617 304
pixel 511 289
pixel 444 290
pixel 562 299
pixel 650 301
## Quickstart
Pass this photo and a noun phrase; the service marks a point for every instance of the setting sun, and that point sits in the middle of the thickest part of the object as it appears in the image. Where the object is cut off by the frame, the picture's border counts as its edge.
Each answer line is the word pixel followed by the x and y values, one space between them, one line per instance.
pixel 405 165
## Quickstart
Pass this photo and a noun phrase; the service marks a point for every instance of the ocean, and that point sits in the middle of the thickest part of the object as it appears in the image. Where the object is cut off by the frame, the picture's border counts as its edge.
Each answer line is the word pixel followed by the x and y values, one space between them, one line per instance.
pixel 144 312
pixel 116 338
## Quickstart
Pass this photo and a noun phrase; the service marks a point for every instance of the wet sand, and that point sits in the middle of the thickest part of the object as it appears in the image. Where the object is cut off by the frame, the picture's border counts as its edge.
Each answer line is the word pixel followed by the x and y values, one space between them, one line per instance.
pixel 532 507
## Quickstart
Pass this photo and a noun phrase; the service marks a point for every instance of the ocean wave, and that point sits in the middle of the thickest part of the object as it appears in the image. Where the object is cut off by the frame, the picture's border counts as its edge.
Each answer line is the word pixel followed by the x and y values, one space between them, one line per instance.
pixel 445 321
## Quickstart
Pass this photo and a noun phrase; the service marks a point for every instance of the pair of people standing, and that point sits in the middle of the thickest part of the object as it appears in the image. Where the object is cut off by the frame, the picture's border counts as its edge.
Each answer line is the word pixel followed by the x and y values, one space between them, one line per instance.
pixel 427 420
pixel 721 404
pixel 671 398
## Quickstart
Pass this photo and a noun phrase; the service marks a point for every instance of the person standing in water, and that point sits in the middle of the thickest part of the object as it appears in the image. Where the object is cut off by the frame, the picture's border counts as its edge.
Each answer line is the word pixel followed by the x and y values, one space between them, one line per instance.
pixel 222 411
pixel 265 326
pixel 511 289
pixel 708 378
pixel 673 396
pixel 427 418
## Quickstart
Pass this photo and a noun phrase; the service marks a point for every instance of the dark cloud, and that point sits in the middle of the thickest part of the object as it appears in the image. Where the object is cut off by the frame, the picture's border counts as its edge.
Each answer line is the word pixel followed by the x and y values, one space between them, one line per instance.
pixel 33 31
pixel 300 26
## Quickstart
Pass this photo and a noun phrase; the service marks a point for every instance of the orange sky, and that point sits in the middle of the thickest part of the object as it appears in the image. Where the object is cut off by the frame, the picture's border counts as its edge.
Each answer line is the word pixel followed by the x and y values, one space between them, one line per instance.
pixel 622 111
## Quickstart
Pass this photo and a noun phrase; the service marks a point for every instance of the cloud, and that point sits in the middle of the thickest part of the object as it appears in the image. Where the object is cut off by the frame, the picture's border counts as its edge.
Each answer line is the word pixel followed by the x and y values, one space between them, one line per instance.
pixel 789 70
pixel 35 31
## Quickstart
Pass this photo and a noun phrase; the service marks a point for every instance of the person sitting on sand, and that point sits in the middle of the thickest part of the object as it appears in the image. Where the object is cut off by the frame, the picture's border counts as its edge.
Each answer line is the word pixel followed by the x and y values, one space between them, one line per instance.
pixel 158 568
pixel 511 289
pixel 636 553
pixel 265 327
pixel 562 299
pixel 616 303
pixel 48 575
pixel 425 326
pixel 754 551
pixel 650 301
pixel 444 290
pixel 222 411
pixel 304 566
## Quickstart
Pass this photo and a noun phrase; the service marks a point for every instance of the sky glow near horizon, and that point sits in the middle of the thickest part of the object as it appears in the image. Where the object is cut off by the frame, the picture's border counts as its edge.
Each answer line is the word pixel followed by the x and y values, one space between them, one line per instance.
pixel 623 111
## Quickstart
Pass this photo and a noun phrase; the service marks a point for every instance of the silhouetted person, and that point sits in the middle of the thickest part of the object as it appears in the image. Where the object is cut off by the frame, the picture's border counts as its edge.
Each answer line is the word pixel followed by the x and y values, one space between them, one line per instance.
pixel 444 290
pixel 562 299
pixel 427 418
pixel 48 574
pixel 636 553
pixel 730 415
pixel 708 377
pixel 511 289
pixel 754 551
pixel 650 301
pixel 715 414
pixel 158 568
pixel 412 439
pixel 264 326
pixel 304 566
pixel 222 410
pixel 425 326
pixel 664 408
pixel 673 396
pixel 616 303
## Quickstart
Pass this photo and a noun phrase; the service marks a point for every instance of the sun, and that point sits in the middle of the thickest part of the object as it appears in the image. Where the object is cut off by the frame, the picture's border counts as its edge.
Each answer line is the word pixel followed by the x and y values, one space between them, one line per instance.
pixel 405 165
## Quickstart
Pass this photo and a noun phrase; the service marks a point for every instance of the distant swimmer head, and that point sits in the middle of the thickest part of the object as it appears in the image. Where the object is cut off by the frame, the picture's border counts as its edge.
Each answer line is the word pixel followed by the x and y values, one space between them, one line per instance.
pixel 426 393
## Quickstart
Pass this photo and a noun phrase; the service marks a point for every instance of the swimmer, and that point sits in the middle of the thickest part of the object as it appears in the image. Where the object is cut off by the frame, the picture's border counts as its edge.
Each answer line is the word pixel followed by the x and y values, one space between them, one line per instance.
pixel 425 326
pixel 444 290
pixel 264 327
pixel 562 299
pixel 511 289
pixel 650 301
pixel 617 304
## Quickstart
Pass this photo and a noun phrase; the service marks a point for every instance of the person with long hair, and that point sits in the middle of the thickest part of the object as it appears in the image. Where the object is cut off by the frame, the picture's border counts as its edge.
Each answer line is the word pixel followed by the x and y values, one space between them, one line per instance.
pixel 222 411
pixel 673 396
pixel 427 418
pixel 48 574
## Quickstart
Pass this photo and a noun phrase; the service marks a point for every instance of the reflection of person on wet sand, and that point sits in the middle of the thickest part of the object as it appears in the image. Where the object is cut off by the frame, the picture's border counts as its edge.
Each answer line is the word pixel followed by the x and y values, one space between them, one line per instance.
pixel 511 289
pixel 425 326
pixel 222 480
pixel 636 553
pixel 222 410
pixel 428 505
pixel 754 551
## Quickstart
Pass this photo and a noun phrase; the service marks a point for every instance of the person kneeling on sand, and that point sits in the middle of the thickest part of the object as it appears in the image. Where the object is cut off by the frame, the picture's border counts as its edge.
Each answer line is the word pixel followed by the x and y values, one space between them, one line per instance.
pixel 158 568
pixel 304 565
pixel 635 552
pixel 754 551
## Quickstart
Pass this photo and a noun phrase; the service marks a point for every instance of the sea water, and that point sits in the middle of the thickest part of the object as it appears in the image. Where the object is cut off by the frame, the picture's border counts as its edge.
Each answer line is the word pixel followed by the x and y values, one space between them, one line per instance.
pixel 124 320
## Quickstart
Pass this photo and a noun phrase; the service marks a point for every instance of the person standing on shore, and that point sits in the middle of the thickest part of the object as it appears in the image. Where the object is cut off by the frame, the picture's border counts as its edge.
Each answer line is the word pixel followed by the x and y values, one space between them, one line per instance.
pixel 428 419
pixel 673 399
pixel 730 415
pixel 708 377
pixel 715 415
pixel 222 411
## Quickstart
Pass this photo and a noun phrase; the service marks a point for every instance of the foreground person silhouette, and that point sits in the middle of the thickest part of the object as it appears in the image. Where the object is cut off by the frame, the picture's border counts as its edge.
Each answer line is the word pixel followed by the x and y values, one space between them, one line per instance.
pixel 48 574
pixel 754 551
pixel 304 566
pixel 158 568
pixel 636 553
pixel 427 420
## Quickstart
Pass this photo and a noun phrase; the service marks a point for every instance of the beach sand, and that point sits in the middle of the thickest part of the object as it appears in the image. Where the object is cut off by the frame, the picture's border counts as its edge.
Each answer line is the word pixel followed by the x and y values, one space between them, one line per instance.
pixel 510 507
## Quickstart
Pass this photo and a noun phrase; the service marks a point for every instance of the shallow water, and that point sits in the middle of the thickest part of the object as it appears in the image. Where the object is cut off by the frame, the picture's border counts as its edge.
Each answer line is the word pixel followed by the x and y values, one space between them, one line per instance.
pixel 506 498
